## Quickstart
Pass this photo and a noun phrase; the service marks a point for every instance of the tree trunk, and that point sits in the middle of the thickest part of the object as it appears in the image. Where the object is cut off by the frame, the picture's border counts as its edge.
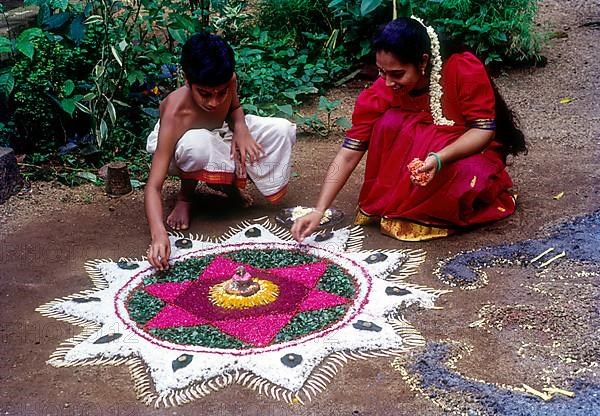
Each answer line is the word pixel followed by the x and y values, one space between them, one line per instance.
pixel 118 182
pixel 11 180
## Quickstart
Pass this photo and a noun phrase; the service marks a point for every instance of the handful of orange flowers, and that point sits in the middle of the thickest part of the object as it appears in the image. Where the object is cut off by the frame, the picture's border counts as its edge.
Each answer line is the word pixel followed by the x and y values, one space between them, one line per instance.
pixel 418 178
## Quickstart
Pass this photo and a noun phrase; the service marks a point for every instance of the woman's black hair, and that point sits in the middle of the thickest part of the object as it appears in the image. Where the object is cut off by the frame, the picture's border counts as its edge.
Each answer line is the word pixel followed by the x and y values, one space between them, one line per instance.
pixel 207 59
pixel 407 40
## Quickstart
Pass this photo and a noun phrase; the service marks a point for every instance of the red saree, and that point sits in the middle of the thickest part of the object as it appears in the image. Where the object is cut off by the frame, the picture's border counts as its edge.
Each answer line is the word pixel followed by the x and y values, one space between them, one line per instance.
pixel 398 128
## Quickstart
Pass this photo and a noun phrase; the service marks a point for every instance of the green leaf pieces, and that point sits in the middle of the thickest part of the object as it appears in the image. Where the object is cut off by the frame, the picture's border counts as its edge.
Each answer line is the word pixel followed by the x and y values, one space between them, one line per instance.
pixel 181 271
pixel 335 280
pixel 266 259
pixel 308 322
pixel 142 306
pixel 202 335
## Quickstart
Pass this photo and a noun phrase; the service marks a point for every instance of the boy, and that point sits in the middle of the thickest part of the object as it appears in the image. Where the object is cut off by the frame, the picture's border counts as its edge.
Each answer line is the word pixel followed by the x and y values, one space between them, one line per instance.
pixel 204 135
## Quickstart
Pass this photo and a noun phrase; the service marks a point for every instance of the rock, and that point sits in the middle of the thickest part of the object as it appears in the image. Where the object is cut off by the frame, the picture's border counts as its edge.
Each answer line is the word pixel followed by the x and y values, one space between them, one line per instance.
pixel 11 180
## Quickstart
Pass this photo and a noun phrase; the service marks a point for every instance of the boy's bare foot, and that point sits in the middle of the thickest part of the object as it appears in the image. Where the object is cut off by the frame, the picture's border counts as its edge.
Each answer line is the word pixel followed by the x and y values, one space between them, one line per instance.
pixel 241 197
pixel 238 196
pixel 179 218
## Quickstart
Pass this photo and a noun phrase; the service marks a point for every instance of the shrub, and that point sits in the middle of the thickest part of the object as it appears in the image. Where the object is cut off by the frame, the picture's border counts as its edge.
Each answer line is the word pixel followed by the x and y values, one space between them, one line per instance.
pixel 498 31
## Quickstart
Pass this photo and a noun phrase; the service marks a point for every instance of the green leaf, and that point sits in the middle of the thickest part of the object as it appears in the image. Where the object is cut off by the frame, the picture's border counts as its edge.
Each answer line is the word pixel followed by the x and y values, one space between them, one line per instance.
pixel 135 76
pixel 59 4
pixel 83 108
pixel 367 6
pixel 286 109
pixel 123 45
pixel 30 34
pixel 135 184
pixel 43 14
pixel 77 29
pixel 56 20
pixel 179 35
pixel 26 48
pixel 121 103
pixel 112 113
pixel 88 175
pixel 68 105
pixel 116 55
pixel 5 45
pixel 33 2
pixel 324 103
pixel 93 19
pixel 98 71
pixel 343 122
pixel 7 83
pixel 103 132
pixel 68 87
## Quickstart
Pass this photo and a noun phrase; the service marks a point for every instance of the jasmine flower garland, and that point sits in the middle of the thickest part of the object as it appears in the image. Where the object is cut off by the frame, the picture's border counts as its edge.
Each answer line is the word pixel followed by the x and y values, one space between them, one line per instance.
pixel 435 88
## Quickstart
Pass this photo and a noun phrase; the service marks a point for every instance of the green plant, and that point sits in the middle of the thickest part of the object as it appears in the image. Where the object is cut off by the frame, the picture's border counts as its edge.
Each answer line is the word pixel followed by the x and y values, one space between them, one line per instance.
pixel 499 31
pixel 43 92
pixel 315 123
pixel 292 18
pixel 356 23
pixel 274 75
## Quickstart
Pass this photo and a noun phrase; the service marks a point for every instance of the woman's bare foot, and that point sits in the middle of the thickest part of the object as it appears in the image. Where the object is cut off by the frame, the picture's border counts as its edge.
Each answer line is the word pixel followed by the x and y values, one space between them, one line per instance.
pixel 179 218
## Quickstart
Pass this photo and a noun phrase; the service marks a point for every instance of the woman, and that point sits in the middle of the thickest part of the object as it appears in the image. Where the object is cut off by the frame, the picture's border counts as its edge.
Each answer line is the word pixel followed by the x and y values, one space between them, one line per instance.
pixel 448 116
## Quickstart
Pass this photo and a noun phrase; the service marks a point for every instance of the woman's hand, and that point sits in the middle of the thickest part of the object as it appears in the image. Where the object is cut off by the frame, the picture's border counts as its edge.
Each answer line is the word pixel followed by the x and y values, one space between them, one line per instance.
pixel 425 173
pixel 305 225
pixel 159 252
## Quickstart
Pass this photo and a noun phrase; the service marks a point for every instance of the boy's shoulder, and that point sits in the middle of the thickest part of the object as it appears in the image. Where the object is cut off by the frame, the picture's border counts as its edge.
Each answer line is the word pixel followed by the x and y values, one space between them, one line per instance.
pixel 175 106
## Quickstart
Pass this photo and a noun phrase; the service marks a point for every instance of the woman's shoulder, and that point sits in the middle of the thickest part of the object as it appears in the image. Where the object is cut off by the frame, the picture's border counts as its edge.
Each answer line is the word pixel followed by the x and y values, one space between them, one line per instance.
pixel 464 61
pixel 376 95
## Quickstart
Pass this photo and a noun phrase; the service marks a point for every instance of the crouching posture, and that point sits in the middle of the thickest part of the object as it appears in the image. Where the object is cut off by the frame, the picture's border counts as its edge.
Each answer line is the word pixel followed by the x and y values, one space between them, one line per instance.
pixel 203 135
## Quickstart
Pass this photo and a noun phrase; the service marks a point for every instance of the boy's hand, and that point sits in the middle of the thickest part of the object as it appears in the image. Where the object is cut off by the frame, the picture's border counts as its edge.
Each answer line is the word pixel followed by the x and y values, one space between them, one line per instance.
pixel 304 226
pixel 244 148
pixel 159 252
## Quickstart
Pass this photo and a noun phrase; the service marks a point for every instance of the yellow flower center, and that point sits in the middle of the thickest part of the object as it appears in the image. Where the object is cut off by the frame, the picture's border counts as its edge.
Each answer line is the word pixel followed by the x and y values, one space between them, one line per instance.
pixel 267 293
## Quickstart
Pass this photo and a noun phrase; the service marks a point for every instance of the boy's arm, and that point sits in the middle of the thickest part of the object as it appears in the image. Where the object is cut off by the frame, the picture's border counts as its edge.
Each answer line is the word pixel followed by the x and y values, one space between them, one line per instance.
pixel 243 145
pixel 160 247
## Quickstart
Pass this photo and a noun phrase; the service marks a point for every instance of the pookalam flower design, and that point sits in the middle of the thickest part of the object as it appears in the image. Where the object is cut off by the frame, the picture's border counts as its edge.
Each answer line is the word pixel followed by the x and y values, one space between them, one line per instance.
pixel 185 333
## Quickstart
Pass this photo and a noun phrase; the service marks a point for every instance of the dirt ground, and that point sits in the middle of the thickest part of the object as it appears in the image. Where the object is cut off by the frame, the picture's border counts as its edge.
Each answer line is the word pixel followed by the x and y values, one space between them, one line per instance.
pixel 523 326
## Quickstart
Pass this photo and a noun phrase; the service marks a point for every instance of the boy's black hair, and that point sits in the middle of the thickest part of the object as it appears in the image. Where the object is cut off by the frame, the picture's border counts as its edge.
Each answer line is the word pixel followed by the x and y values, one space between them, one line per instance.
pixel 407 40
pixel 207 59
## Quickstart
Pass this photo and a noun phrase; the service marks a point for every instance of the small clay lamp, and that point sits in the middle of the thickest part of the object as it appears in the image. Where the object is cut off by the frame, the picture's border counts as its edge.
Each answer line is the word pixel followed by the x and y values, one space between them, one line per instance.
pixel 241 283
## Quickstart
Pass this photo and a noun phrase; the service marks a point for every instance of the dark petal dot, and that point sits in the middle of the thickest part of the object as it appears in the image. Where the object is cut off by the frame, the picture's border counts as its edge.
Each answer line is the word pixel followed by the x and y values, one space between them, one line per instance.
pixel 291 360
pixel 396 291
pixel 85 300
pixel 182 361
pixel 108 338
pixel 127 265
pixel 252 232
pixel 323 236
pixel 366 326
pixel 376 258
pixel 183 243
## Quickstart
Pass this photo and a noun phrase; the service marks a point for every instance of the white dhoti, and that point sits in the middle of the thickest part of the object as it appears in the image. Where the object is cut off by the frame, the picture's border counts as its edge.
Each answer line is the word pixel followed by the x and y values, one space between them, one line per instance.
pixel 204 155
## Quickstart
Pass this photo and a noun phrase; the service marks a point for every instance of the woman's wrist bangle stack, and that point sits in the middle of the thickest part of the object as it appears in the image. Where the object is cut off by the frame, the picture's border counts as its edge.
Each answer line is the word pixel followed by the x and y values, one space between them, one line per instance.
pixel 320 212
pixel 439 160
